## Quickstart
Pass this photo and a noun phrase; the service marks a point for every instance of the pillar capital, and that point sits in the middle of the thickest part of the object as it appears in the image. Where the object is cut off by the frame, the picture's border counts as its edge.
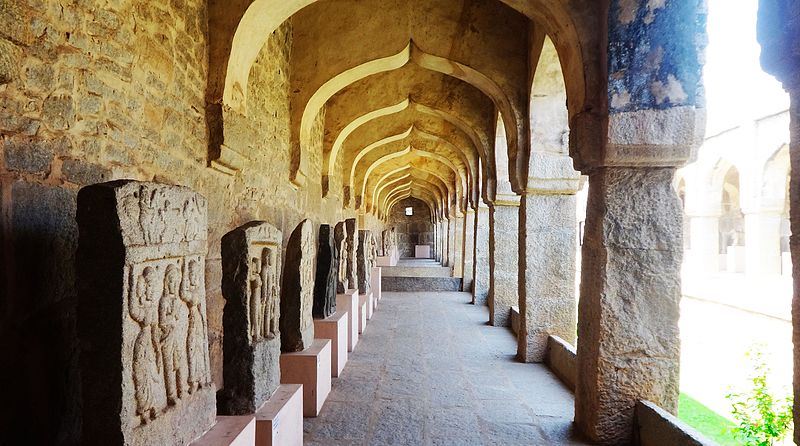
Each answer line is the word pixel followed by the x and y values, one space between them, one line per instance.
pixel 506 200
pixel 552 173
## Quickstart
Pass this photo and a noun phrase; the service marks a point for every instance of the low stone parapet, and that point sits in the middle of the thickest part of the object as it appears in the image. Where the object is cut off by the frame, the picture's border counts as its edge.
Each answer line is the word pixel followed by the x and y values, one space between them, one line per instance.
pixel 656 427
pixel 562 360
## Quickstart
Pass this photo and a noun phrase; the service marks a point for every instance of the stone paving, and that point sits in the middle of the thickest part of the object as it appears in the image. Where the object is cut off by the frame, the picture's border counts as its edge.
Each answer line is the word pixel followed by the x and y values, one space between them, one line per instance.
pixel 430 371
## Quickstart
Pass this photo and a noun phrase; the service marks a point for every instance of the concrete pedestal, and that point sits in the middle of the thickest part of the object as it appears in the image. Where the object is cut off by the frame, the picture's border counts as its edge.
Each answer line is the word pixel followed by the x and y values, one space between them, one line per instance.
pixel 312 369
pixel 376 284
pixel 362 313
pixel 335 329
pixel 422 251
pixel 369 299
pixel 230 431
pixel 279 422
pixel 349 302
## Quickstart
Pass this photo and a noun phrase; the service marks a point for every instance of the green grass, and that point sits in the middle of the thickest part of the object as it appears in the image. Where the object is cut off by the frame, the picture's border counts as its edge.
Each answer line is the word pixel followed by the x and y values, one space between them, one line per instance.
pixel 705 420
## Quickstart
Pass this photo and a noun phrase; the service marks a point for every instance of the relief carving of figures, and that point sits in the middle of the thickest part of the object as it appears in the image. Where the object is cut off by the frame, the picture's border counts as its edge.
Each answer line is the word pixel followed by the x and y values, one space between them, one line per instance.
pixel 193 294
pixel 254 299
pixel 373 252
pixel 269 296
pixel 343 264
pixel 306 279
pixel 143 308
pixel 193 218
pixel 170 318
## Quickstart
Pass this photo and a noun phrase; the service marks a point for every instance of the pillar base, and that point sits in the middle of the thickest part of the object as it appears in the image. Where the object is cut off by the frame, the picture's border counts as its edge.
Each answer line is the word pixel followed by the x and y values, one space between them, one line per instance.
pixel 230 431
pixel 363 302
pixel 279 422
pixel 349 303
pixel 335 329
pixel 376 284
pixel 311 368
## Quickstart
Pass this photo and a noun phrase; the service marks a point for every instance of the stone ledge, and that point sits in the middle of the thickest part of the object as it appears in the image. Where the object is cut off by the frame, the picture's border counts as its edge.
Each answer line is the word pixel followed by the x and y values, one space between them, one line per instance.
pixel 654 426
pixel 561 359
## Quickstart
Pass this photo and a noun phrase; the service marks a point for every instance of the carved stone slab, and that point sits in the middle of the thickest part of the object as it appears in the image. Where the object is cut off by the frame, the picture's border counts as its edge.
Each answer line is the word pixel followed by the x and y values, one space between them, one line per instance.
pixel 327 273
pixel 142 314
pixel 363 261
pixel 251 266
pixel 297 290
pixel 351 237
pixel 340 240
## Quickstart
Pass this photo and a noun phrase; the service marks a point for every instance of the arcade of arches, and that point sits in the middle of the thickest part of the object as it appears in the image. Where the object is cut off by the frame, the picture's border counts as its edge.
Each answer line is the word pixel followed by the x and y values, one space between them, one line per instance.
pixel 481 114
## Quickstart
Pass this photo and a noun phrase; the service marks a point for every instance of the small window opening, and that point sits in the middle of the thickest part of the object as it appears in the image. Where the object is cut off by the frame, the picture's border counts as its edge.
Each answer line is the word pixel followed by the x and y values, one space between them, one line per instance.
pixel 409 211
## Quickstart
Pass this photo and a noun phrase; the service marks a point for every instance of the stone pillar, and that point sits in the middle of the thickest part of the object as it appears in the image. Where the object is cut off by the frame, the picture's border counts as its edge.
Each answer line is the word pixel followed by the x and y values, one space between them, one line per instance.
pixel 703 255
pixel 547 245
pixel 503 259
pixel 458 247
pixel 762 238
pixel 794 211
pixel 628 348
pixel 480 288
pixel 451 242
pixel 469 251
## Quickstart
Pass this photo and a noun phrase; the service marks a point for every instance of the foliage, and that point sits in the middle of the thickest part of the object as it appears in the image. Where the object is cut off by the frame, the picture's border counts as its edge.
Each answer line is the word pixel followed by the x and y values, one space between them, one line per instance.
pixel 706 421
pixel 763 418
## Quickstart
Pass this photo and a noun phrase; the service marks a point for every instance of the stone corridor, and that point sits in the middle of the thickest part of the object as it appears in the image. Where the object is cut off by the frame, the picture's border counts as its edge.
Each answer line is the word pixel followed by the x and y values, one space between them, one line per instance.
pixel 430 371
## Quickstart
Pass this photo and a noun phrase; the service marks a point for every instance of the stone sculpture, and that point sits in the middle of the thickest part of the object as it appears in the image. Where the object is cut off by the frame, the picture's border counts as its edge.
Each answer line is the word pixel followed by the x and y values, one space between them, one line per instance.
pixel 339 239
pixel 373 251
pixel 142 314
pixel 251 345
pixel 351 237
pixel 297 290
pixel 327 274
pixel 363 261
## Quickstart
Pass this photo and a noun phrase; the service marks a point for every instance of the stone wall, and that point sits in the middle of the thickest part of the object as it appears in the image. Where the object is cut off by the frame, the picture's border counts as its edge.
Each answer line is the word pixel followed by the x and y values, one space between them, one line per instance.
pixel 89 92
pixel 412 230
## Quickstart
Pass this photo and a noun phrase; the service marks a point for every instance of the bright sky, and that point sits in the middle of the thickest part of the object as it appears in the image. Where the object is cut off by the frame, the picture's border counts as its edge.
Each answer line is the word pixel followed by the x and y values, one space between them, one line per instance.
pixel 736 87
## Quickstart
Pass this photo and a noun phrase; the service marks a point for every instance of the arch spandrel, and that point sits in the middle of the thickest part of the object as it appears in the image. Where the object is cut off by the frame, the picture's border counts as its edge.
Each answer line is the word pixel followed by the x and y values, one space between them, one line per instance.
pixel 391 177
pixel 433 183
pixel 447 177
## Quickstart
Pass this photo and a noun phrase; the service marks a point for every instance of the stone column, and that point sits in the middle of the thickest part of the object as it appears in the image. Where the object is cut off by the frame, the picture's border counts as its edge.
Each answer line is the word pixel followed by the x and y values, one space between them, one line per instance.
pixel 451 241
pixel 458 247
pixel 762 238
pixel 794 215
pixel 703 255
pixel 547 245
pixel 469 251
pixel 628 348
pixel 503 259
pixel 480 288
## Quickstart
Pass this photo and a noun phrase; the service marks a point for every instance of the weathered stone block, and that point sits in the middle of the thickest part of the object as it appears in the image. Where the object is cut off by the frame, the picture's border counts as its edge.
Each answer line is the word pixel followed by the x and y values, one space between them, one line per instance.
pixel 297 290
pixel 83 173
pixel 364 261
pixel 142 314
pixel 351 237
pixel 327 273
pixel 26 155
pixel 251 265
pixel 340 236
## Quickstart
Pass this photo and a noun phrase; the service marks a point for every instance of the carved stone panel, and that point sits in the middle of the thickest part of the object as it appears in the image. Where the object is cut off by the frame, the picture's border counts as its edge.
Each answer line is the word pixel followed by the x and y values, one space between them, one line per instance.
pixel 340 240
pixel 351 237
pixel 142 314
pixel 373 252
pixel 327 274
pixel 297 290
pixel 251 265
pixel 363 261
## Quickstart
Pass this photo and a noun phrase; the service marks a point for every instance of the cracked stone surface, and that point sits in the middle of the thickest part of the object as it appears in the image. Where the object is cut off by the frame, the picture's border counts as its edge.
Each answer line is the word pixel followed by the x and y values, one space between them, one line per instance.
pixel 466 388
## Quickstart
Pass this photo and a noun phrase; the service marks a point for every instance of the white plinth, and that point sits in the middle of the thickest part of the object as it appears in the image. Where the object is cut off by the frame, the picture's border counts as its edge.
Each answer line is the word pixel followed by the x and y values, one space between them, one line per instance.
pixel 349 302
pixel 422 251
pixel 279 422
pixel 334 328
pixel 230 431
pixel 312 369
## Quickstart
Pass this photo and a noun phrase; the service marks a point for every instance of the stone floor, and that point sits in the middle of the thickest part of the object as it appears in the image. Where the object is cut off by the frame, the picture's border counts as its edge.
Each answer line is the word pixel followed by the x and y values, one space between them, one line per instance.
pixel 430 371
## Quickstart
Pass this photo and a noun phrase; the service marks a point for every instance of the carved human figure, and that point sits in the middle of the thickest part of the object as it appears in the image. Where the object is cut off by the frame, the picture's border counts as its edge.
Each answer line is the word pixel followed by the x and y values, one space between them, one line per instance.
pixel 306 280
pixel 146 361
pixel 343 264
pixel 373 252
pixel 255 290
pixel 268 294
pixel 196 338
pixel 169 322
